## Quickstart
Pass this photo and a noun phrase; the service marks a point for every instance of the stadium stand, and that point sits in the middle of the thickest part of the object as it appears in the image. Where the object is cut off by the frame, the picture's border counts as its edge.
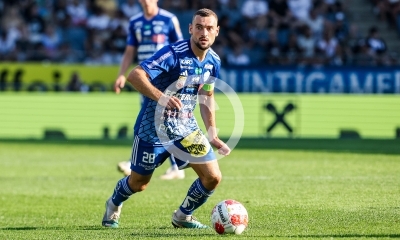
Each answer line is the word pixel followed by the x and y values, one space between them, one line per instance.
pixel 284 32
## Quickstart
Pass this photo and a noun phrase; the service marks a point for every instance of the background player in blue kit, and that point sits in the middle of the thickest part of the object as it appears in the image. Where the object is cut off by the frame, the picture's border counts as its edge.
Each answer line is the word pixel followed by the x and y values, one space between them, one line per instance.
pixel 178 74
pixel 149 31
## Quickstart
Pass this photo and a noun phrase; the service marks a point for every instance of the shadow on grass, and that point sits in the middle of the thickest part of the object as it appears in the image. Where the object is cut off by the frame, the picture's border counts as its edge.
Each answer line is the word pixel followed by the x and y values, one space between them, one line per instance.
pixel 201 233
pixel 170 232
pixel 368 146
pixel 343 236
pixel 211 234
pixel 172 235
pixel 30 228
pixel 96 227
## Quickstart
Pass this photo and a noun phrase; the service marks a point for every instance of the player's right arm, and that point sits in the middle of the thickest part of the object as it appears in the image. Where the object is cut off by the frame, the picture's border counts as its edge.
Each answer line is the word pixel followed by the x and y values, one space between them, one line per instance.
pixel 143 75
pixel 130 52
pixel 138 77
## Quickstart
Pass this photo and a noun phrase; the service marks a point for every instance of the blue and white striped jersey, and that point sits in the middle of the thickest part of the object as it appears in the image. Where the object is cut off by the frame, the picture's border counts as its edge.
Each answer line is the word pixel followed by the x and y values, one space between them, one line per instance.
pixel 148 36
pixel 176 71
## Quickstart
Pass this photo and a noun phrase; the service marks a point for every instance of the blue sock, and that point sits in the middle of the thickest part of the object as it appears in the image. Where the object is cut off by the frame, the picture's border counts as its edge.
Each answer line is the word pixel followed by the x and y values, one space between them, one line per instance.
pixel 121 192
pixel 173 163
pixel 196 196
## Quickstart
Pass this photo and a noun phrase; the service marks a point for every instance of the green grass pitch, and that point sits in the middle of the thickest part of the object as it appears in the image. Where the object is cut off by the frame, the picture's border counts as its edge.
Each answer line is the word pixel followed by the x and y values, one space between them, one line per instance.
pixel 57 191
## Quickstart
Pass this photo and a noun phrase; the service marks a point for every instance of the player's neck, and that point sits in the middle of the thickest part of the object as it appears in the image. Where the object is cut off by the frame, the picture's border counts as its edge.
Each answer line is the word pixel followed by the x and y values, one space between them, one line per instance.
pixel 150 13
pixel 200 54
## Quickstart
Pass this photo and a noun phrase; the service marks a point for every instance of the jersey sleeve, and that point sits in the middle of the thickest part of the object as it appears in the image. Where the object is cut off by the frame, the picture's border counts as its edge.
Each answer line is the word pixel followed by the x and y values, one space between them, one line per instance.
pixel 162 61
pixel 216 70
pixel 131 38
pixel 175 32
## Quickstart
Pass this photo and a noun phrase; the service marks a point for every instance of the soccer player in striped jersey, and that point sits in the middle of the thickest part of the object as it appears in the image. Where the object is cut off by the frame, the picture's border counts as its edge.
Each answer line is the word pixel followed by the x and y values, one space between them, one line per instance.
pixel 149 31
pixel 179 74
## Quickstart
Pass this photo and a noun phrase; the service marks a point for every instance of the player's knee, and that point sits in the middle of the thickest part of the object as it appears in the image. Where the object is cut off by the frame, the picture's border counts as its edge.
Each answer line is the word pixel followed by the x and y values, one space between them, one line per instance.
pixel 140 188
pixel 212 181
pixel 137 186
pixel 217 179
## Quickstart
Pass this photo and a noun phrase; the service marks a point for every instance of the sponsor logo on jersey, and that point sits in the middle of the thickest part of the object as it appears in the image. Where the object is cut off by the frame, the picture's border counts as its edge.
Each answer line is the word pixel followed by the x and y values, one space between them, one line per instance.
pixel 186 61
pixel 186 97
pixel 185 114
pixel 181 82
pixel 198 70
pixel 158 23
pixel 181 96
pixel 138 24
pixel 157 29
pixel 206 75
pixel 147 38
pixel 187 67
pixel 191 88
pixel 195 79
pixel 158 60
pixel 169 115
pixel 208 66
pixel 147 48
pixel 158 38
pixel 147 167
pixel 138 34
pixel 147 32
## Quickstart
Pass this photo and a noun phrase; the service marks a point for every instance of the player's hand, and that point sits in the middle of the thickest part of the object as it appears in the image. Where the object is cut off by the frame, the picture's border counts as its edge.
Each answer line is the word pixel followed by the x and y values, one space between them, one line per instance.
pixel 170 102
pixel 223 149
pixel 119 84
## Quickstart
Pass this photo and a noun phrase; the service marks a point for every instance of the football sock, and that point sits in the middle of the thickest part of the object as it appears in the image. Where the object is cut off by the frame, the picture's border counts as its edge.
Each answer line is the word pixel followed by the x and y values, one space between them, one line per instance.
pixel 196 196
pixel 173 163
pixel 121 192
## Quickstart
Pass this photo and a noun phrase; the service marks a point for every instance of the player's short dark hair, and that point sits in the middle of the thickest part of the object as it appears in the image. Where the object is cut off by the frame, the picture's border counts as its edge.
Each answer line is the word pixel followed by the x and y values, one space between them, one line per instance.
pixel 205 12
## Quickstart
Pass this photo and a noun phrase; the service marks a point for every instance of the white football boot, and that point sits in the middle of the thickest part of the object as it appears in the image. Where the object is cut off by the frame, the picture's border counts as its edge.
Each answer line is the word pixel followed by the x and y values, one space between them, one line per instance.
pixel 187 222
pixel 173 173
pixel 112 214
pixel 124 167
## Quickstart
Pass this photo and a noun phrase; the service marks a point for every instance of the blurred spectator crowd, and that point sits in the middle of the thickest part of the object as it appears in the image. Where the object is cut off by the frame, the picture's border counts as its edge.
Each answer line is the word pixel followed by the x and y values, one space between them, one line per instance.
pixel 253 32
pixel 388 11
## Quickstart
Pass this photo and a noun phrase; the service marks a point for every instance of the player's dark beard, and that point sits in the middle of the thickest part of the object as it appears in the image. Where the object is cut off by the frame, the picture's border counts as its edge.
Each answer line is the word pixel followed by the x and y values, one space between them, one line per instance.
pixel 201 47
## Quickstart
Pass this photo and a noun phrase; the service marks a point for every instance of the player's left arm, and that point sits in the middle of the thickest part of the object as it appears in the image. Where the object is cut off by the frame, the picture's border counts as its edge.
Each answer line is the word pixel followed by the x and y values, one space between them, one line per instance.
pixel 207 110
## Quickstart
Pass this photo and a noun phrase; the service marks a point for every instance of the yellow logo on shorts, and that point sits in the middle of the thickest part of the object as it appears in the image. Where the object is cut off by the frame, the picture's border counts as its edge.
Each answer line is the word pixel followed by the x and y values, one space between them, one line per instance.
pixel 196 144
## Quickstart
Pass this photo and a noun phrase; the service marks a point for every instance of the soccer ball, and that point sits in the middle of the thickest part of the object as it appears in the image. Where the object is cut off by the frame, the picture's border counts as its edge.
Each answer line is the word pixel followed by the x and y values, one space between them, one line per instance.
pixel 229 216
